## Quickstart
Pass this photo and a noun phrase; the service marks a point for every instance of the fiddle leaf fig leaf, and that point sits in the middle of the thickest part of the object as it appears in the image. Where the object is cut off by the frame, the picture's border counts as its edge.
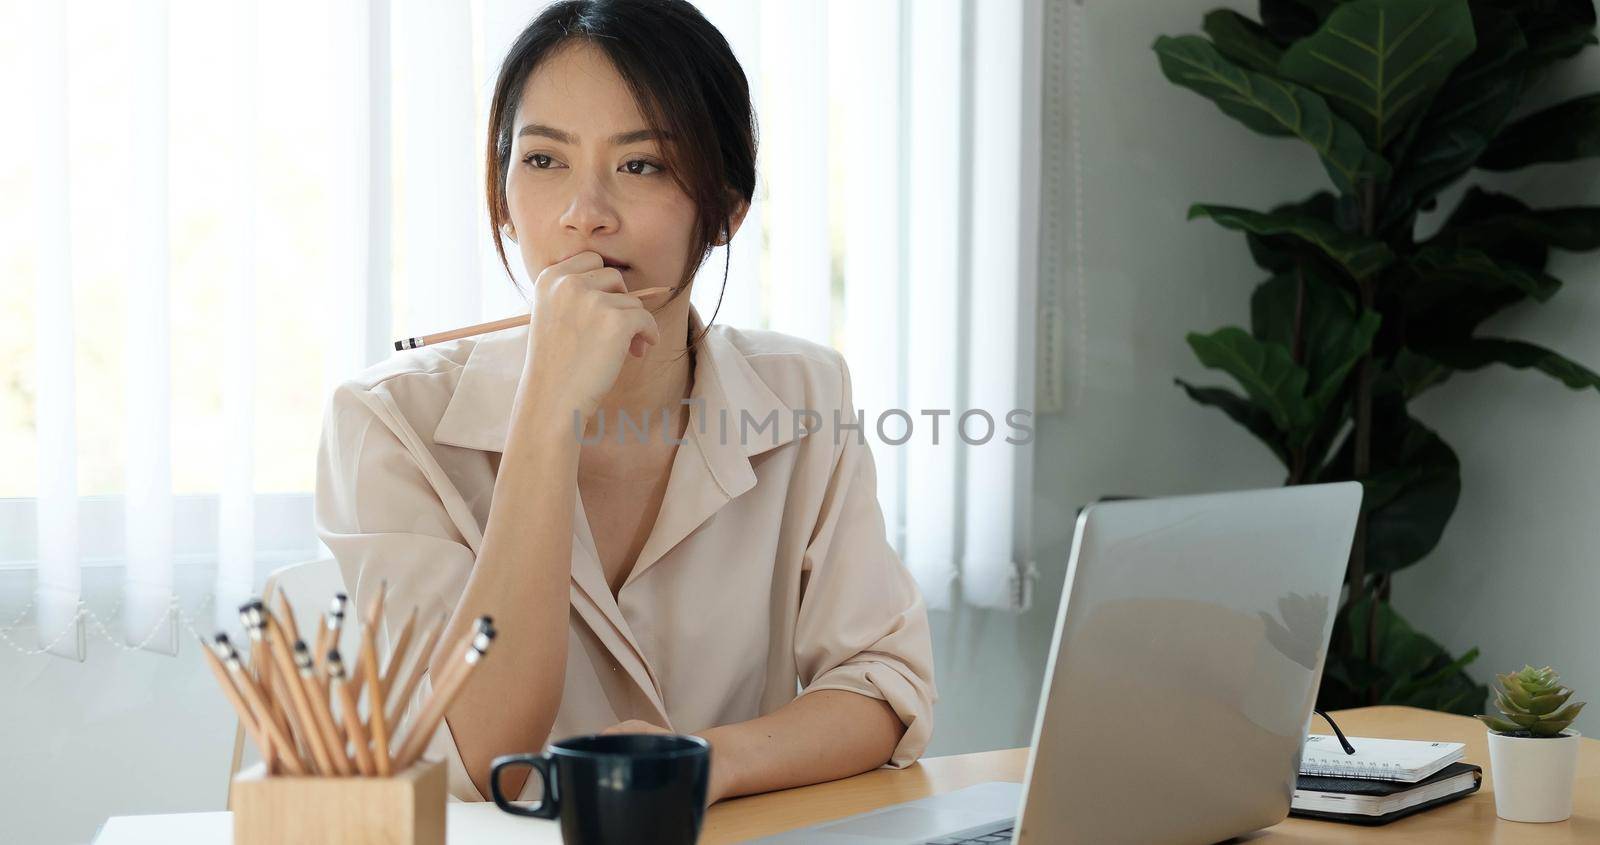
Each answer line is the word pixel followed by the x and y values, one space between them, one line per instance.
pixel 1268 374
pixel 1242 40
pixel 1564 132
pixel 1380 61
pixel 1271 106
pixel 1358 255
pixel 1477 352
pixel 1255 420
pixel 1447 262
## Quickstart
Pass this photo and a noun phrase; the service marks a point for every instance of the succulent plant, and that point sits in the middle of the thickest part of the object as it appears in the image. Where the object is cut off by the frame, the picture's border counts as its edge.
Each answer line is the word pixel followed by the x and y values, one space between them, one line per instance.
pixel 1531 704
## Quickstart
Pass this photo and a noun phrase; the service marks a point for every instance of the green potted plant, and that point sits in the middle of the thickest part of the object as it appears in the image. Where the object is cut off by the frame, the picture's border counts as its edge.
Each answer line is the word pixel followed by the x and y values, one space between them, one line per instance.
pixel 1533 753
pixel 1380 288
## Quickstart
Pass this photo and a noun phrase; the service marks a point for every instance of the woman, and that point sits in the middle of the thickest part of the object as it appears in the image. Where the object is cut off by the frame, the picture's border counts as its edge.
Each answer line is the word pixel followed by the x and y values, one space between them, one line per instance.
pixel 694 579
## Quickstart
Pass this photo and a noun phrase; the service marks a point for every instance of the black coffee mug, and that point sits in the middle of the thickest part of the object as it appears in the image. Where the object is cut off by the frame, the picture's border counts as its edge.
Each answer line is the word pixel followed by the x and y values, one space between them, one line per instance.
pixel 618 787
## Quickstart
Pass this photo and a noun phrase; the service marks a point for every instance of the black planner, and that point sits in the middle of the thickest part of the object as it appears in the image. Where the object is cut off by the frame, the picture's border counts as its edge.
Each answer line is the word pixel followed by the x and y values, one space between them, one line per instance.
pixel 1375 802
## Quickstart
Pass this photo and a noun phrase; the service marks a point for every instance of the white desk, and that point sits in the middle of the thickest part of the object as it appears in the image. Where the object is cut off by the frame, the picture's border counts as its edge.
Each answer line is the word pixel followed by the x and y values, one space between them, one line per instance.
pixel 472 822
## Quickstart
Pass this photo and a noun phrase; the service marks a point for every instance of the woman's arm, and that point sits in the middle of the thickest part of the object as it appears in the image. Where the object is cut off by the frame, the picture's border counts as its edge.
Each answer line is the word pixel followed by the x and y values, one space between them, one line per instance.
pixel 824 735
pixel 580 330
pixel 522 578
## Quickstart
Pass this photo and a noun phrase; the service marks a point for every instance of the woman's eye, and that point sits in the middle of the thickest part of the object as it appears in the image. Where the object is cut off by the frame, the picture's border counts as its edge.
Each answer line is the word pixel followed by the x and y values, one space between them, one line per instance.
pixel 540 161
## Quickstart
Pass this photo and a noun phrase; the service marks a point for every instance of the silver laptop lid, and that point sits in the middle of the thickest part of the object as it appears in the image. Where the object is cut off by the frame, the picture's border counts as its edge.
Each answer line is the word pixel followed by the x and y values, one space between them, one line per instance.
pixel 1188 648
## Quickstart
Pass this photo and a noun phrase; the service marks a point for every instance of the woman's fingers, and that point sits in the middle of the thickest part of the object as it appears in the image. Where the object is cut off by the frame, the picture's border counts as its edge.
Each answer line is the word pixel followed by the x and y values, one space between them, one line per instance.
pixel 647 334
pixel 620 300
pixel 640 325
pixel 603 279
pixel 582 262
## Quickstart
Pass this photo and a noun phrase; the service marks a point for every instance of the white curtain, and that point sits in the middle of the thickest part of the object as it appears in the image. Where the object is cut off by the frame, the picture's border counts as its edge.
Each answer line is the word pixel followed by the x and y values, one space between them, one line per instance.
pixel 895 218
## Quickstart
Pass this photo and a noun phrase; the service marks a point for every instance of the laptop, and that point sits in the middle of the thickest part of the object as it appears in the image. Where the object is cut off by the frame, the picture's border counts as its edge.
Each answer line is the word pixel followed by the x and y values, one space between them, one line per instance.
pixel 1188 648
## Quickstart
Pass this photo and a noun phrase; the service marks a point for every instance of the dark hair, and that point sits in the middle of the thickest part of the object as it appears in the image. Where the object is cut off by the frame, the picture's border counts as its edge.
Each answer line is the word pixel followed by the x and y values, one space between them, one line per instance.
pixel 686 82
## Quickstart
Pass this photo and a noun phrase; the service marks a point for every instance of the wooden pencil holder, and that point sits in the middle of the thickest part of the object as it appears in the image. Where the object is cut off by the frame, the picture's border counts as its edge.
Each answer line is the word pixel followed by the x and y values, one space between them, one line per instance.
pixel 407 808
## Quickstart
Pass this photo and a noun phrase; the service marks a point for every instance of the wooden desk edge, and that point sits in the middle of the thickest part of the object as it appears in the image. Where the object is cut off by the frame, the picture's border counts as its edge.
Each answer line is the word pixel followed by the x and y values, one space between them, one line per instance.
pixel 1470 819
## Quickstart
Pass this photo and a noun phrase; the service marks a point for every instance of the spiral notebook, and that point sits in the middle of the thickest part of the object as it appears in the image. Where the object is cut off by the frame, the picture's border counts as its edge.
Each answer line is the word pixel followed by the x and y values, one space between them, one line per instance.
pixel 1404 760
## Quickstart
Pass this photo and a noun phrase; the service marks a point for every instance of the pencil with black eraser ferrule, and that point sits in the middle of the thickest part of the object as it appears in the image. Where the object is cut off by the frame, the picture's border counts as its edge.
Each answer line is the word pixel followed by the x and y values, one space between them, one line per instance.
pixel 321 715
pixel 286 754
pixel 282 651
pixel 259 667
pixel 480 626
pixel 328 637
pixel 248 719
pixel 350 712
pixel 252 614
pixel 496 325
pixel 443 695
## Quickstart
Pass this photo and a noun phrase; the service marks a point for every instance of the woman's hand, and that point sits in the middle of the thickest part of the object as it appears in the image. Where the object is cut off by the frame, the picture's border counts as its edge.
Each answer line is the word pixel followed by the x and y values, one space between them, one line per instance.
pixel 719 774
pixel 583 323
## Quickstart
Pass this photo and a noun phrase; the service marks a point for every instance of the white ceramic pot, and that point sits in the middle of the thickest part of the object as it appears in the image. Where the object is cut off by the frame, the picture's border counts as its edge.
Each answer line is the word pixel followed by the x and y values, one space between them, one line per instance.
pixel 1533 776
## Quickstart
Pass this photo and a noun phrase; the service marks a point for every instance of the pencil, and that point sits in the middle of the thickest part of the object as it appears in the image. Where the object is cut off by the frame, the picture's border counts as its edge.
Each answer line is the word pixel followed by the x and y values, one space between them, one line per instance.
pixel 497 325
pixel 258 667
pixel 278 696
pixel 373 618
pixel 417 740
pixel 288 620
pixel 398 707
pixel 320 647
pixel 285 694
pixel 328 637
pixel 319 709
pixel 231 690
pixel 351 714
pixel 397 656
pixel 324 688
pixel 247 687
pixel 297 696
pixel 376 717
pixel 251 613
pixel 480 625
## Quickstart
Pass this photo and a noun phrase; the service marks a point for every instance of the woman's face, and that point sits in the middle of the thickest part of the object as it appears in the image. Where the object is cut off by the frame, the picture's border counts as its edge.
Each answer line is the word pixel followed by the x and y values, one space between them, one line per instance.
pixel 577 181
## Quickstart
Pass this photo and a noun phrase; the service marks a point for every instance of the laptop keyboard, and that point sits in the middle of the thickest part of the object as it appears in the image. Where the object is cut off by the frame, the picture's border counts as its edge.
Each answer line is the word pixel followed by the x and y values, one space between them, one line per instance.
pixel 985 839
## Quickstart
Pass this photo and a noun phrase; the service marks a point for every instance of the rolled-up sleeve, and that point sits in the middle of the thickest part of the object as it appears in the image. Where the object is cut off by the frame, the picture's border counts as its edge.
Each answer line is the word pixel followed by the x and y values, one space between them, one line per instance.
pixel 385 522
pixel 862 624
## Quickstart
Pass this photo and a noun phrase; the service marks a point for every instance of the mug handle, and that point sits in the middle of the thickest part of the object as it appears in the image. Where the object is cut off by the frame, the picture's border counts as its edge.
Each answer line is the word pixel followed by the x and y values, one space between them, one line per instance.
pixel 548 805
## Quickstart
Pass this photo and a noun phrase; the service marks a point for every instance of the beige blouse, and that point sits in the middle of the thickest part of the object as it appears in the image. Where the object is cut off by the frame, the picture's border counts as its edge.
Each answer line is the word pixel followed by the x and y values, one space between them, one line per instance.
pixel 767 573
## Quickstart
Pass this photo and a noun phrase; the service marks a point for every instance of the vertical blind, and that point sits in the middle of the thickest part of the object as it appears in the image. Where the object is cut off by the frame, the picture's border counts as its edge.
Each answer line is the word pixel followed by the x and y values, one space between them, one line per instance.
pixel 895 218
